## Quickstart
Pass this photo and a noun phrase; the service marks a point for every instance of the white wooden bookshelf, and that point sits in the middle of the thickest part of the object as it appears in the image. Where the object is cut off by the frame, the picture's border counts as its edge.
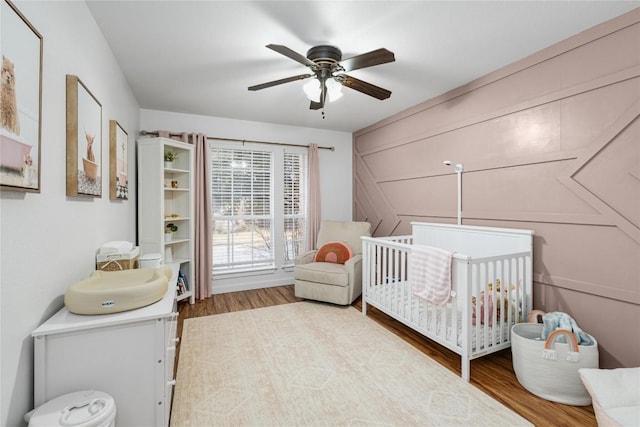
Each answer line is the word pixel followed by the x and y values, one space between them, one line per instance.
pixel 165 196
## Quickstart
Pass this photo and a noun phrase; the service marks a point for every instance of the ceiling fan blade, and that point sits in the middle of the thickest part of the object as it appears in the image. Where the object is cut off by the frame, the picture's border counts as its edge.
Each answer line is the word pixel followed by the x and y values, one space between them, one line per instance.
pixel 369 59
pixel 283 50
pixel 281 81
pixel 364 87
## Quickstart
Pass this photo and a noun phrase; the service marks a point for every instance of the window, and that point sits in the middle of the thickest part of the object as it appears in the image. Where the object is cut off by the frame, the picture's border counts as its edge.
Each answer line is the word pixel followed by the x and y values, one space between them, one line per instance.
pixel 241 189
pixel 295 207
pixel 259 207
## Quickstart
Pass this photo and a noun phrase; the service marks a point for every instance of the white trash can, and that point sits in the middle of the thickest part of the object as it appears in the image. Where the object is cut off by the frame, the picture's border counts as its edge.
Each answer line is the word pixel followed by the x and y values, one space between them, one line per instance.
pixel 150 261
pixel 86 408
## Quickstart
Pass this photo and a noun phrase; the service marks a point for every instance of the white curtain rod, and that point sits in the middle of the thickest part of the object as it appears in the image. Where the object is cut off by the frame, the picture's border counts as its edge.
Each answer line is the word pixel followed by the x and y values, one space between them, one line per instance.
pixel 155 133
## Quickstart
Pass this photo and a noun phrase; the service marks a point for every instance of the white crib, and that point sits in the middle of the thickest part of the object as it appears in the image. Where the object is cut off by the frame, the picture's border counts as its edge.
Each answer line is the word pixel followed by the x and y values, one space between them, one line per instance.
pixel 501 257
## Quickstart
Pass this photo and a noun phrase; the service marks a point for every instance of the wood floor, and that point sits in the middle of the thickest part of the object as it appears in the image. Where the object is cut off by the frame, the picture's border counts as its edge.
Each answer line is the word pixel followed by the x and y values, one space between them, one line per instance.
pixel 493 374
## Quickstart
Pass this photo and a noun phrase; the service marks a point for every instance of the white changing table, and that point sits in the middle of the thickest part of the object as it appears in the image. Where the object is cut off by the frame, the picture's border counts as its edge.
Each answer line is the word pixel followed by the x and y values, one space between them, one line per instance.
pixel 128 355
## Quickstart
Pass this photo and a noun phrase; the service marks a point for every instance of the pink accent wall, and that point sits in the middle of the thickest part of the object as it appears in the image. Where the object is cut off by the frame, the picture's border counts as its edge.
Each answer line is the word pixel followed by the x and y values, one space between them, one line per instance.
pixel 550 143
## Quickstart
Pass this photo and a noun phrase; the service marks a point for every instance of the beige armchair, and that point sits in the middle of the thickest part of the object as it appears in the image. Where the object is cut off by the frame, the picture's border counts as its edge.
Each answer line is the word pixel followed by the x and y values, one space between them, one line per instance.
pixel 328 281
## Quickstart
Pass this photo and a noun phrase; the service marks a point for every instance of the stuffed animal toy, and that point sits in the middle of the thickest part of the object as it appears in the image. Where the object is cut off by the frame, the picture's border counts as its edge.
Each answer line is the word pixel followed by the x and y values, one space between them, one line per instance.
pixel 8 100
pixel 502 302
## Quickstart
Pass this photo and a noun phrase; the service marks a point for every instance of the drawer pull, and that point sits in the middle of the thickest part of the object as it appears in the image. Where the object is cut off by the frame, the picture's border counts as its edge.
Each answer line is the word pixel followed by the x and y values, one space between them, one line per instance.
pixel 176 340
pixel 172 382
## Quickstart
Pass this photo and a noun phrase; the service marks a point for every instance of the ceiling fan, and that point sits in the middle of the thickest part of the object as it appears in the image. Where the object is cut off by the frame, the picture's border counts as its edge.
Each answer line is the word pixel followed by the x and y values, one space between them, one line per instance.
pixel 328 67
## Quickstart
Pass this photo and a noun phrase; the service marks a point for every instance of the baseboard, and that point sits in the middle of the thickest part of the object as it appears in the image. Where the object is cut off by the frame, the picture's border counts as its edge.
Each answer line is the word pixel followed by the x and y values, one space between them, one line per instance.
pixel 224 288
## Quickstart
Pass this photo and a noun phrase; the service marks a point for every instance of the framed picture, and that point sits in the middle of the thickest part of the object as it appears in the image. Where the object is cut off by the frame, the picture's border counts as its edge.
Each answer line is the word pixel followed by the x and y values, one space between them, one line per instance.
pixel 84 140
pixel 21 102
pixel 118 168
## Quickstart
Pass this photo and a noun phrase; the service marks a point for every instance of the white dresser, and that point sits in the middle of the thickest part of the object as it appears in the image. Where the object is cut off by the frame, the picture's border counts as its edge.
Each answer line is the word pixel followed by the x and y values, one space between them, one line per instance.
pixel 129 355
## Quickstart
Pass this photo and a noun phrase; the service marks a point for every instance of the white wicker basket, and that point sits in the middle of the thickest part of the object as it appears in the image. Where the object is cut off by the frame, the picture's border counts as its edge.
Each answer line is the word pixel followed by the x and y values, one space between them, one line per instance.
pixel 549 369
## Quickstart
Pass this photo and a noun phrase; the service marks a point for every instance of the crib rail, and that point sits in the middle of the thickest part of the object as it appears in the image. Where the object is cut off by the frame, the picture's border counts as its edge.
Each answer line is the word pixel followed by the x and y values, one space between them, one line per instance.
pixel 385 260
pixel 489 295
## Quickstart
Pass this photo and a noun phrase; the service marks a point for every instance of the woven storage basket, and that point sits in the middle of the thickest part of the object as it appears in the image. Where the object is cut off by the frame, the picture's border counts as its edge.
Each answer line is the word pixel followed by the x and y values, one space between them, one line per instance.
pixel 117 264
pixel 552 379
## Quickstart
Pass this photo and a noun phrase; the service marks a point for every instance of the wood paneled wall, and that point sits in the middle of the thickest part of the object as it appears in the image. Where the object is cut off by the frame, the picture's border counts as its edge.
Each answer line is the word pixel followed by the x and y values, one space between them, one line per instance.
pixel 550 143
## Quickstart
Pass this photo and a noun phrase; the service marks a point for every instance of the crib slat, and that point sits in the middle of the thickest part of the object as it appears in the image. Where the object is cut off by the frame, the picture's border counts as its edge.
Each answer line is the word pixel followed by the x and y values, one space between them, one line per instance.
pixel 477 278
pixel 378 267
pixel 505 307
pixel 497 300
pixel 497 332
pixel 433 318
pixel 441 322
pixel 383 274
pixel 401 280
pixel 396 280
pixel 453 326
pixel 392 275
pixel 365 275
pixel 487 314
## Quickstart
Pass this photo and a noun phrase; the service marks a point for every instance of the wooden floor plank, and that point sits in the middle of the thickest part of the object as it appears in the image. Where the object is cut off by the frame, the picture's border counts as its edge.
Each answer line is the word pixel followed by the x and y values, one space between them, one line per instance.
pixel 493 374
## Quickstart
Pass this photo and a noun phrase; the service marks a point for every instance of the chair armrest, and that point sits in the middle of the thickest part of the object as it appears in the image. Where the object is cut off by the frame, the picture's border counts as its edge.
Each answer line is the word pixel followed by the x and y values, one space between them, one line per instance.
pixel 305 258
pixel 354 269
pixel 353 262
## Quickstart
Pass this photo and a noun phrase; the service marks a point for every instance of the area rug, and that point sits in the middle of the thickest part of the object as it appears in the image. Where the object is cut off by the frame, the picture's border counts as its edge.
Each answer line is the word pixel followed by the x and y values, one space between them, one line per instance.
pixel 314 364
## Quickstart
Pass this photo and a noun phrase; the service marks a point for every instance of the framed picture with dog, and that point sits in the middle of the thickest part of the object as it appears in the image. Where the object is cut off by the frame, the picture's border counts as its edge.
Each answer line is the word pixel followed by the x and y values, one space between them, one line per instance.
pixel 20 102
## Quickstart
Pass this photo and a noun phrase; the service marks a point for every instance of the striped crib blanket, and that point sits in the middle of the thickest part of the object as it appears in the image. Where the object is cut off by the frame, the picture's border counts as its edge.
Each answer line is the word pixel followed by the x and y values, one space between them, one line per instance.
pixel 430 273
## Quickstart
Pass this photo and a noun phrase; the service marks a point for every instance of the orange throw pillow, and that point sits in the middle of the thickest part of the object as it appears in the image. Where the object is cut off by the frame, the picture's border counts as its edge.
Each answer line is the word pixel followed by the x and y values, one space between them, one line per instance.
pixel 336 252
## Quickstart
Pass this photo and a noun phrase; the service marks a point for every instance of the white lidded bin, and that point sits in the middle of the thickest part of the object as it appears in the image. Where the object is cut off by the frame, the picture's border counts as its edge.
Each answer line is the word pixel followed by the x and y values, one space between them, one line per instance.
pixel 88 408
pixel 150 260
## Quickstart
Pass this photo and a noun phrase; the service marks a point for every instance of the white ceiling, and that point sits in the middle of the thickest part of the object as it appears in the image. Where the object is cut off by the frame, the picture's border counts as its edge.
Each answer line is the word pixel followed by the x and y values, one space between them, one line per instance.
pixel 199 57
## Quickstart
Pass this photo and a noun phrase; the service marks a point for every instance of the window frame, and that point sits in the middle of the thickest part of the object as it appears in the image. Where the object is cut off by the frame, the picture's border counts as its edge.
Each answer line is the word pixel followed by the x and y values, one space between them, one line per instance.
pixel 278 216
pixel 303 212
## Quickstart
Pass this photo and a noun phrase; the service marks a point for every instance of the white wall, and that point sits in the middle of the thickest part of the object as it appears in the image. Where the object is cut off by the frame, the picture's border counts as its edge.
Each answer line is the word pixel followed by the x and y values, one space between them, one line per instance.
pixel 335 166
pixel 48 239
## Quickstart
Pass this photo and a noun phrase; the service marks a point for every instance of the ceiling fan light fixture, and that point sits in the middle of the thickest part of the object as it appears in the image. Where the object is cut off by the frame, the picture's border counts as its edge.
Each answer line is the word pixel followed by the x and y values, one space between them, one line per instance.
pixel 334 89
pixel 313 90
pixel 326 68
